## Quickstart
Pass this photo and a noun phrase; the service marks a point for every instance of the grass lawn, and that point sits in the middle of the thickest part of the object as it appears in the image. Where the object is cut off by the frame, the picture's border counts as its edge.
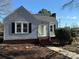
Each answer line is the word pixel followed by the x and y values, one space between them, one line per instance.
pixel 27 51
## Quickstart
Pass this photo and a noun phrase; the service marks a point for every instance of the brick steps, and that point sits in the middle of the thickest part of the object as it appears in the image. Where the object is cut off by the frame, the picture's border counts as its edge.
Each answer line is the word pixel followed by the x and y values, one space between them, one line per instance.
pixel 47 40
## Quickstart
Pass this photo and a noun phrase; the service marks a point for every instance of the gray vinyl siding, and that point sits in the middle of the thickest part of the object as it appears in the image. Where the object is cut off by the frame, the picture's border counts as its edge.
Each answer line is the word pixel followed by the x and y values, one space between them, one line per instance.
pixel 9 36
pixel 7 29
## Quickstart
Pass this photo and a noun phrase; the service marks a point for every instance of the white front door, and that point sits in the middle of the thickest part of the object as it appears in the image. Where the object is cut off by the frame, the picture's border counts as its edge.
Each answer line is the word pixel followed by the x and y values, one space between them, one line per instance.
pixel 42 31
pixel 51 30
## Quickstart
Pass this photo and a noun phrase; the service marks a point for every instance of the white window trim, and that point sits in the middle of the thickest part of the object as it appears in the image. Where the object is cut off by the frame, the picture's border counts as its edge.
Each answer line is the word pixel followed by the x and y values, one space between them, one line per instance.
pixel 21 27
pixel 27 27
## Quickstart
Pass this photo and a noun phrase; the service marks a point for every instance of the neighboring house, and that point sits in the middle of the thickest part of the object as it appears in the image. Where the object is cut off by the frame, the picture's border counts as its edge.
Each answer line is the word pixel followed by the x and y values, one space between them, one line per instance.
pixel 1 27
pixel 22 25
pixel 76 31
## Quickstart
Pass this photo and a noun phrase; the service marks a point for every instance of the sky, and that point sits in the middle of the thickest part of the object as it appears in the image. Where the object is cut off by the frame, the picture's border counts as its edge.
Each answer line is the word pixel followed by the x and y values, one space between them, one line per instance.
pixel 65 17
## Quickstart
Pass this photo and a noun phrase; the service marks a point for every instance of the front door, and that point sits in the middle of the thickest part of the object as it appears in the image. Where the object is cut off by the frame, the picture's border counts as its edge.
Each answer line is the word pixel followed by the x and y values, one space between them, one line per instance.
pixel 42 31
pixel 51 30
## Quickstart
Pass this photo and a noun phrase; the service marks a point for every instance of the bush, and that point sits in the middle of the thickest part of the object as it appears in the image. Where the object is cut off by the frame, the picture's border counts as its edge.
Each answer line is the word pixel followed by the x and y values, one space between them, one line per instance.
pixel 63 36
pixel 73 33
pixel 1 33
pixel 1 37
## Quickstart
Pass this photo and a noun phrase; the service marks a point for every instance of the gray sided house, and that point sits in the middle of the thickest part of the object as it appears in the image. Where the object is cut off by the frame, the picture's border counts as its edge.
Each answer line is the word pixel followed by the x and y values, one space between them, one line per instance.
pixel 22 25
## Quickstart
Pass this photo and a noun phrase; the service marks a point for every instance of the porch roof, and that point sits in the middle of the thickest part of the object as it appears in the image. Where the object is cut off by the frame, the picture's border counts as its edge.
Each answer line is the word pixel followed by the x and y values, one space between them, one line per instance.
pixel 45 18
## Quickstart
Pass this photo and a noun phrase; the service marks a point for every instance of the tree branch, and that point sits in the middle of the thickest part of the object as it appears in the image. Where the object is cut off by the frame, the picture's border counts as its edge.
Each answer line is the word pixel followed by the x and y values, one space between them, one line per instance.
pixel 67 4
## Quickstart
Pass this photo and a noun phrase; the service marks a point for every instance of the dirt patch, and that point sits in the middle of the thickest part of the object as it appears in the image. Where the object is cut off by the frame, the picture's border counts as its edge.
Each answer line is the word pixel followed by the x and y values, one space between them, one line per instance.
pixel 74 47
pixel 27 51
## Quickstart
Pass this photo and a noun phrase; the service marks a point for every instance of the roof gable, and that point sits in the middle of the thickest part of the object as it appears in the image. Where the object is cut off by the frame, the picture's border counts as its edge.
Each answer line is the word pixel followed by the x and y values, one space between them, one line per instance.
pixel 21 12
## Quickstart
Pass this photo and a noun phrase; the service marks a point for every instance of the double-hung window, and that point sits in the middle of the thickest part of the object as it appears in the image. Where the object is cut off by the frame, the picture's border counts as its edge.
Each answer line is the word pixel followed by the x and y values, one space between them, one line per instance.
pixel 25 27
pixel 21 27
pixel 18 27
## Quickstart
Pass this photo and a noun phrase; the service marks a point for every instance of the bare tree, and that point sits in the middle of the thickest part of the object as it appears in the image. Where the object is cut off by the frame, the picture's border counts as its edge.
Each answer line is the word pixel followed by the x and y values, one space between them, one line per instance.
pixel 4 7
pixel 71 4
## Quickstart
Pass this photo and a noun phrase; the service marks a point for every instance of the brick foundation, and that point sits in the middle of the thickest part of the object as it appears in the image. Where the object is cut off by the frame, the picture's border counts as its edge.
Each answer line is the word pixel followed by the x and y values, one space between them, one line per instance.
pixel 44 40
pixel 20 41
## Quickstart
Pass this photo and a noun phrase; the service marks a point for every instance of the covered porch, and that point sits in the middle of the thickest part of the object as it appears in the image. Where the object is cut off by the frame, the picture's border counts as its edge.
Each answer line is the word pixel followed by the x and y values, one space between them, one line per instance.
pixel 46 31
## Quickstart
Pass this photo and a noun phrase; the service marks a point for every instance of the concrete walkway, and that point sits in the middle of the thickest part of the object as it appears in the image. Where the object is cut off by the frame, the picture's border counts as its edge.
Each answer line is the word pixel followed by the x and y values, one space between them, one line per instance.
pixel 65 52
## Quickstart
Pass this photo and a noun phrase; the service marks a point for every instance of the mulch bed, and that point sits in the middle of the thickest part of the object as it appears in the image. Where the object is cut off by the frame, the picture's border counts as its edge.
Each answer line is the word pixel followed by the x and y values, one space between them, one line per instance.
pixel 27 51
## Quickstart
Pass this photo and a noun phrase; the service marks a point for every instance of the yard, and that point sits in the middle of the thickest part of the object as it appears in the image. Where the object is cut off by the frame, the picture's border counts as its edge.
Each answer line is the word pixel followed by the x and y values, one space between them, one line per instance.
pixel 31 51
pixel 27 51
pixel 74 47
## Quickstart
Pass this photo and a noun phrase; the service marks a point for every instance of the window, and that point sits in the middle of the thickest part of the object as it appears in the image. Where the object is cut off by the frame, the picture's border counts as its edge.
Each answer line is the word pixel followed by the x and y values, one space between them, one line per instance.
pixel 19 27
pixel 51 28
pixel 22 27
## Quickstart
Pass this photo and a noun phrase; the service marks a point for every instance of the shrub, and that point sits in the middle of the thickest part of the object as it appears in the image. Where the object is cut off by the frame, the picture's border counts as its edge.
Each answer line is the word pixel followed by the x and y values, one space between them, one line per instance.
pixel 1 37
pixel 1 33
pixel 63 36
pixel 73 33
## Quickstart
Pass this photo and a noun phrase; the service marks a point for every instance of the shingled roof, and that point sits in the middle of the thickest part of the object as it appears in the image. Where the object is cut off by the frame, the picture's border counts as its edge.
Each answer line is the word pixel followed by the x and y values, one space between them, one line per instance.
pixel 43 18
